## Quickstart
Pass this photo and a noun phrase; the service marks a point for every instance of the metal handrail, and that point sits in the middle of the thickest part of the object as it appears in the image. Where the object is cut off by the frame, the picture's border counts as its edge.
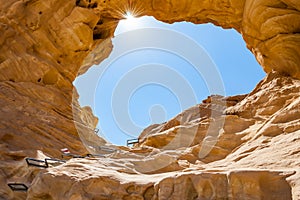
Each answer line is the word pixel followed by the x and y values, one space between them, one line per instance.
pixel 132 141
pixel 44 163
pixel 54 160
pixel 17 186
pixel 36 162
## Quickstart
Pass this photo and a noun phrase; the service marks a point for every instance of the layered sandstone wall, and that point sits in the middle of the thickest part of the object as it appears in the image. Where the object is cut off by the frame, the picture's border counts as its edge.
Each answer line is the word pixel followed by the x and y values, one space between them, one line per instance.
pixel 256 155
pixel 270 28
pixel 44 45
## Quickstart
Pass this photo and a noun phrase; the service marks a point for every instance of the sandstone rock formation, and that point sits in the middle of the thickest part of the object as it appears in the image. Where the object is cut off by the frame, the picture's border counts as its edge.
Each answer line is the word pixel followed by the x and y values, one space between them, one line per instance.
pixel 270 28
pixel 44 45
pixel 256 155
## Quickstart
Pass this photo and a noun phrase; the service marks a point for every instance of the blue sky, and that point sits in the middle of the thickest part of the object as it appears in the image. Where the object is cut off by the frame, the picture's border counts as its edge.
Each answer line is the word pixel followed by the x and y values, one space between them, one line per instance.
pixel 129 91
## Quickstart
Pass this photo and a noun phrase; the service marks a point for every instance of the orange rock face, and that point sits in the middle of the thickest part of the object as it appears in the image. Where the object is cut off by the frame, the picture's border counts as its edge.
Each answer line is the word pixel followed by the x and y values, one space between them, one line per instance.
pixel 254 154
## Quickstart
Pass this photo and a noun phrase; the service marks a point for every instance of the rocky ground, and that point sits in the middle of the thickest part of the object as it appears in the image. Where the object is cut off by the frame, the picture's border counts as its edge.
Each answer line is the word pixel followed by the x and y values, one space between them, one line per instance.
pixel 255 155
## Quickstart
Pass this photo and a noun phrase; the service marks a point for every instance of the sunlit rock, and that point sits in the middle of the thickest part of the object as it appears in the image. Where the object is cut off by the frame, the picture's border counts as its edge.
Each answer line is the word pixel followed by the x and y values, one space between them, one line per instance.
pixel 243 147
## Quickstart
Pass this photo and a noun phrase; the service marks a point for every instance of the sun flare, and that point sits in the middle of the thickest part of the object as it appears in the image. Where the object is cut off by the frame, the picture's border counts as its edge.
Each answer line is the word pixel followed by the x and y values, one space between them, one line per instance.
pixel 130 18
pixel 129 15
pixel 129 22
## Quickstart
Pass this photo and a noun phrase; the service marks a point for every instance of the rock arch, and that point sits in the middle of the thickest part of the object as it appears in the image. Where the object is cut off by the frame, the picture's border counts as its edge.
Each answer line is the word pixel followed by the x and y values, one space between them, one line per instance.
pixel 44 45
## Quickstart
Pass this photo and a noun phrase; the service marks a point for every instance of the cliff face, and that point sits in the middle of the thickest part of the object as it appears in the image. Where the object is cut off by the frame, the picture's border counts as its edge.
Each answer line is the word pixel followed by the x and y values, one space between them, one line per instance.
pixel 270 28
pixel 44 45
pixel 256 155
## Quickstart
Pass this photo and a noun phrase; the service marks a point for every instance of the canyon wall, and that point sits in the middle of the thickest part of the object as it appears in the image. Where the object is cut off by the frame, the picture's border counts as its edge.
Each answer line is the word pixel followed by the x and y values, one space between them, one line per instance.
pixel 45 45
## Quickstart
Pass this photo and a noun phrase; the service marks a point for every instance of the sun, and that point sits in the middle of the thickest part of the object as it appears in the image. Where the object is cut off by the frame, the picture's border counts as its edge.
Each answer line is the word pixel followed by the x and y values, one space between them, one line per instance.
pixel 129 22
pixel 129 16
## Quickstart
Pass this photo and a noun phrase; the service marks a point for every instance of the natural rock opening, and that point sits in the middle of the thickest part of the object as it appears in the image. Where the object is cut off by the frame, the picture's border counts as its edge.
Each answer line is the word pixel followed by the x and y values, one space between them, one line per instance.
pixel 31 44
pixel 97 87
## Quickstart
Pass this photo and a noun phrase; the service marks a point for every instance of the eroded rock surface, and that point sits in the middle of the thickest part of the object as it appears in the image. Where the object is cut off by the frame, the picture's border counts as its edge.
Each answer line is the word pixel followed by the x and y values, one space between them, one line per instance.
pixel 44 45
pixel 270 28
pixel 250 159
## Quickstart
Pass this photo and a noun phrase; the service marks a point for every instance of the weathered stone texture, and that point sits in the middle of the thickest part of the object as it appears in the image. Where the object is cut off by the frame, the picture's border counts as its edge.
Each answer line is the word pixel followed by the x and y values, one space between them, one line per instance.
pixel 45 45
